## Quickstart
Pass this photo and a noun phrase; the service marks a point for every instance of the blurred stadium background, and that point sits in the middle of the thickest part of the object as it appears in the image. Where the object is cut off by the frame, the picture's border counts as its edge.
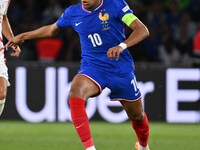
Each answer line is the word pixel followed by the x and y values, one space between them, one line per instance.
pixel 167 69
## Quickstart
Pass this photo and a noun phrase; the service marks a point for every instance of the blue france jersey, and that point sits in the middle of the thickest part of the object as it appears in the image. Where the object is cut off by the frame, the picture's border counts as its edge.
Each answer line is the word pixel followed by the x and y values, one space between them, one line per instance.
pixel 100 30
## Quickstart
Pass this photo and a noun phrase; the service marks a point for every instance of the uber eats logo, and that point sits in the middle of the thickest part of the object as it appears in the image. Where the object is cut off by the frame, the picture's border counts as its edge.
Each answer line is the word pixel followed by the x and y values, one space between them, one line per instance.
pixel 183 95
pixel 56 106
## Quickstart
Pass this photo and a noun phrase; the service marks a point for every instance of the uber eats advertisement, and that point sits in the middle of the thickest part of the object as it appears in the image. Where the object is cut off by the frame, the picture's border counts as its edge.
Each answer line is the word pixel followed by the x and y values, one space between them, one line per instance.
pixel 39 92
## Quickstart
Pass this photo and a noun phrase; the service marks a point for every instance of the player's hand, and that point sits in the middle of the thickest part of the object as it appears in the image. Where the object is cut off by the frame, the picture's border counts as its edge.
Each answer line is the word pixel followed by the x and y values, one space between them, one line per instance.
pixel 114 52
pixel 16 52
pixel 14 42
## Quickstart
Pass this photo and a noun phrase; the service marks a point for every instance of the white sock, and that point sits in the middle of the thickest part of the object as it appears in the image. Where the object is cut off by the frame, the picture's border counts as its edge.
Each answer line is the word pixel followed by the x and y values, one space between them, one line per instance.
pixel 91 148
pixel 144 148
pixel 2 102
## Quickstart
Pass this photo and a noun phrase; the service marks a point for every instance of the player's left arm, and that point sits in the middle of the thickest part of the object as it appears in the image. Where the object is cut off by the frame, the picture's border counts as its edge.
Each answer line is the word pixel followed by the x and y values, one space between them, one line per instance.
pixel 139 33
pixel 7 32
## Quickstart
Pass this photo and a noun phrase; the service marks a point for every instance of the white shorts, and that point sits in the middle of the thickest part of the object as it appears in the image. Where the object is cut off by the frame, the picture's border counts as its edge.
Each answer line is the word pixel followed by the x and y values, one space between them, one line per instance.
pixel 4 72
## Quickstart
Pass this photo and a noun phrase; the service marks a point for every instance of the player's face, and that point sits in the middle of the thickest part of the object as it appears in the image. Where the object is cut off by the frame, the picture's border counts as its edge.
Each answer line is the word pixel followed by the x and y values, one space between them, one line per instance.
pixel 90 4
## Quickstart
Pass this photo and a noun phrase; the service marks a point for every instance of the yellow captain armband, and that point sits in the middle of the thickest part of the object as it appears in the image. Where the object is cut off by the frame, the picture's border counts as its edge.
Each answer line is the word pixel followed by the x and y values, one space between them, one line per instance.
pixel 129 18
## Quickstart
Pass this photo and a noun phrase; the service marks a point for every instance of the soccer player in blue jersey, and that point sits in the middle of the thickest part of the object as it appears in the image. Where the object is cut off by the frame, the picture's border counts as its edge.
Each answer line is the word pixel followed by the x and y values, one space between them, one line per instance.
pixel 106 62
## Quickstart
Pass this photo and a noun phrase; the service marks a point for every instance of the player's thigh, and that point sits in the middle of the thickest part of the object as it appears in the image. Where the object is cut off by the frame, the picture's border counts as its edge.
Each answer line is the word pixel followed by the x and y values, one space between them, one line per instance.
pixel 134 109
pixel 83 87
pixel 3 88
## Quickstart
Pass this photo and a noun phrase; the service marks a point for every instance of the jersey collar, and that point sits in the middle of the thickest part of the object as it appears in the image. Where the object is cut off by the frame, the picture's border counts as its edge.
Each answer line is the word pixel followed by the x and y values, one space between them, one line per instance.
pixel 94 9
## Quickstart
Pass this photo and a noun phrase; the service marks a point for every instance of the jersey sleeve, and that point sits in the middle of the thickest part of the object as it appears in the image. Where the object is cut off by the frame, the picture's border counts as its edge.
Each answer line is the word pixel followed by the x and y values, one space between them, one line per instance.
pixel 5 11
pixel 123 8
pixel 64 20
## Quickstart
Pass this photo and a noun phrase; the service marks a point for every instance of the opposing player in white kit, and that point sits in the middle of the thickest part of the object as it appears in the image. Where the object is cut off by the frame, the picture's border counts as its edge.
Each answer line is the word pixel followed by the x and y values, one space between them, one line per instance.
pixel 7 32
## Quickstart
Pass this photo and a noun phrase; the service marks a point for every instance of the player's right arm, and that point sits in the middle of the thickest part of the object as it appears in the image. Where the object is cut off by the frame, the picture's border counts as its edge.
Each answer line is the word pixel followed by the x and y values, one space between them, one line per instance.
pixel 43 32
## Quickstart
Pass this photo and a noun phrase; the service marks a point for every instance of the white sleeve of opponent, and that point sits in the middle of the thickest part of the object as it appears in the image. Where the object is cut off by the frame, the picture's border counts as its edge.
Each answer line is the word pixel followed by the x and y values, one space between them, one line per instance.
pixel 6 7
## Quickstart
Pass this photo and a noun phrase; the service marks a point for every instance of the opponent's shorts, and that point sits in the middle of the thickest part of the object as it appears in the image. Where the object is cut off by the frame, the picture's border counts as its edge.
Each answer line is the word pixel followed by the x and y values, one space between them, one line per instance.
pixel 123 87
pixel 4 72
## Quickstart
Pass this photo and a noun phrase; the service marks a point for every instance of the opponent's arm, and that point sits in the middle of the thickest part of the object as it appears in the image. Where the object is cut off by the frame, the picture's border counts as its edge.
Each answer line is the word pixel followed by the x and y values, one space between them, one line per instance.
pixel 43 32
pixel 139 33
pixel 6 29
pixel 7 32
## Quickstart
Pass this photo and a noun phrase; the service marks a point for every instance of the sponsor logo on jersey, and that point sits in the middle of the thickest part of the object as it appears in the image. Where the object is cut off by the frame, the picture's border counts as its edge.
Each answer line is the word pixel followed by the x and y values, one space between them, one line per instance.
pixel 136 94
pixel 80 71
pixel 76 24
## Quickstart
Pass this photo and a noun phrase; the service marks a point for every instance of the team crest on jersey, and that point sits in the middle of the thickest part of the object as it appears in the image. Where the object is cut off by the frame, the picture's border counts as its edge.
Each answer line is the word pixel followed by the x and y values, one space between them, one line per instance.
pixel 104 17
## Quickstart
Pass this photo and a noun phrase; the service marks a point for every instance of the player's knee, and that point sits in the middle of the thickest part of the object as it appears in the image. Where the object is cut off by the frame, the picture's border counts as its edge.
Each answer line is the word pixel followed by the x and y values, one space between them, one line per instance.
pixel 76 92
pixel 79 91
pixel 72 93
pixel 137 116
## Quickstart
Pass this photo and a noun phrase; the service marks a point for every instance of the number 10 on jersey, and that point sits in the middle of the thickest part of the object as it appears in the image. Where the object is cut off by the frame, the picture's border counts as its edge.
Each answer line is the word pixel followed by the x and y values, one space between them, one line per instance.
pixel 95 39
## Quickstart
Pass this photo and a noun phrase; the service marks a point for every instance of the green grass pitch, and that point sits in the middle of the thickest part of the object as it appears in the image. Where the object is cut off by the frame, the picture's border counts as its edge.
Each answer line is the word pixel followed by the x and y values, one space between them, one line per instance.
pixel 19 135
